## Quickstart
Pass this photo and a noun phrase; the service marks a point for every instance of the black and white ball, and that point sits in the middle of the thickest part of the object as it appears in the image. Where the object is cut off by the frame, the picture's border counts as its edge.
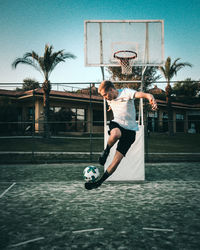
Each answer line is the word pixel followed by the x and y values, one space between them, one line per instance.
pixel 91 174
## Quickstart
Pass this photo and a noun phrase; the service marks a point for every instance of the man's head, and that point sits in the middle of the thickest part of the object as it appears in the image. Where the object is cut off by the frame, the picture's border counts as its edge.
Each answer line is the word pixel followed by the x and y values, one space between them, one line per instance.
pixel 107 90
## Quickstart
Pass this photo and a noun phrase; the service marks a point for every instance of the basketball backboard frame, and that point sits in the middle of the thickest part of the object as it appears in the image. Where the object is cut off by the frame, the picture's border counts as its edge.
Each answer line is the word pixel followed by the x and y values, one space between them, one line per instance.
pixel 102 38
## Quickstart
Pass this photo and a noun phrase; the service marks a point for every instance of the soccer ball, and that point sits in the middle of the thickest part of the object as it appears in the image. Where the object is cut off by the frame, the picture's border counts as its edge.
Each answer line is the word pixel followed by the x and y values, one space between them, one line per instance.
pixel 91 174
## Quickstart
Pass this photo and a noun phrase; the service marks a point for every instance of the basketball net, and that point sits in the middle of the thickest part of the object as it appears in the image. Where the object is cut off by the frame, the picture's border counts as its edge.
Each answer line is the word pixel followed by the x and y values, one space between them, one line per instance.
pixel 125 66
pixel 126 59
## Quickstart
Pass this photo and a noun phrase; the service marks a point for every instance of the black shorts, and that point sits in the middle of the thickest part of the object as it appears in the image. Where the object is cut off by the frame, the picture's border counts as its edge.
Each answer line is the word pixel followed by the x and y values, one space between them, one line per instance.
pixel 126 140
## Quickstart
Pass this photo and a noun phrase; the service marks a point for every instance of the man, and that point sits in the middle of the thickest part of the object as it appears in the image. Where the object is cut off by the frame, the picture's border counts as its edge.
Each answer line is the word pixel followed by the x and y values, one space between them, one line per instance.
pixel 123 127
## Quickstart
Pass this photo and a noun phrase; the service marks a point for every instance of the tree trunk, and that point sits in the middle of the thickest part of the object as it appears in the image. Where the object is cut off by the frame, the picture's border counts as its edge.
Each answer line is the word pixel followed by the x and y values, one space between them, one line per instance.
pixel 168 90
pixel 46 90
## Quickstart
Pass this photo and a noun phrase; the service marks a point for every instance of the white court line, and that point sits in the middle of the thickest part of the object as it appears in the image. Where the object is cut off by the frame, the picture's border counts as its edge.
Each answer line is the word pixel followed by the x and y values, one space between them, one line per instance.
pixel 158 229
pixel 88 230
pixel 26 242
pixel 7 190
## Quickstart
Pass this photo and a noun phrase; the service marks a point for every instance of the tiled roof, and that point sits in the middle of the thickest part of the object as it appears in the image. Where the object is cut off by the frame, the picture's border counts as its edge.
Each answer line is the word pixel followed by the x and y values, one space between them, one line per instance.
pixel 70 94
pixel 16 94
pixel 74 95
pixel 156 90
pixel 179 104
pixel 11 93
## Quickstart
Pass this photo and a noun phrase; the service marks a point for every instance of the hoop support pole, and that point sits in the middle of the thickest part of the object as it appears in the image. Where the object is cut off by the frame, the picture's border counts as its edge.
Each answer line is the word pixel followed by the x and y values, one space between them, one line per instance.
pixel 104 109
pixel 141 100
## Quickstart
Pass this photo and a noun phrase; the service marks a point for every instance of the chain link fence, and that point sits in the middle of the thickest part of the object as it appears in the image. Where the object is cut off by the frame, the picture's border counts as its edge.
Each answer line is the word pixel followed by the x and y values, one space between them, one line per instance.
pixel 76 126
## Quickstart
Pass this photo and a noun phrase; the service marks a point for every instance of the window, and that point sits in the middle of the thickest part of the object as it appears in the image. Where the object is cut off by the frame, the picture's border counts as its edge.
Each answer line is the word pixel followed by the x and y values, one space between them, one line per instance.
pixel 79 120
pixel 194 122
pixel 179 123
pixel 165 122
pixel 69 119
pixel 30 114
pixel 79 114
pixel 153 121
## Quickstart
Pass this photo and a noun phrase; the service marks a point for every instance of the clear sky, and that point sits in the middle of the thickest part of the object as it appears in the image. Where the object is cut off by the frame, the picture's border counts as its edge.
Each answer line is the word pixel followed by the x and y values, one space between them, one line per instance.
pixel 27 25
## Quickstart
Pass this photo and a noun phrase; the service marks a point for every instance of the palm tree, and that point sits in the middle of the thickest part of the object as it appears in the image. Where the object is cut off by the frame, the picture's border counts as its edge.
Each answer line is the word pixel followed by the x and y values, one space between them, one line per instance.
pixel 169 71
pixel 150 76
pixel 45 65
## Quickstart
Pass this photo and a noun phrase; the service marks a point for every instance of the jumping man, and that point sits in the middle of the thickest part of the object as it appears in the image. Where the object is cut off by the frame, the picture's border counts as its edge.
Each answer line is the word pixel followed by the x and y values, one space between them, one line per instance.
pixel 123 127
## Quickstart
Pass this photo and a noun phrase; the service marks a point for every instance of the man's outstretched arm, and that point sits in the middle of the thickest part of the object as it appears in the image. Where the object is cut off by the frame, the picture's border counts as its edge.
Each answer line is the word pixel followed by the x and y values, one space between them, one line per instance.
pixel 149 97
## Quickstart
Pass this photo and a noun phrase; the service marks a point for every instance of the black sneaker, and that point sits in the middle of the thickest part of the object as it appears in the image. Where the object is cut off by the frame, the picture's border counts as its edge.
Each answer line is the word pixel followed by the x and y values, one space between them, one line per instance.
pixel 103 157
pixel 92 185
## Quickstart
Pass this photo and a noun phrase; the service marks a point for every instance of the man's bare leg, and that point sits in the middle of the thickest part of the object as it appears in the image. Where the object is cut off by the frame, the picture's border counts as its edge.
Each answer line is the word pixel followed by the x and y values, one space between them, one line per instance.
pixel 115 162
pixel 115 134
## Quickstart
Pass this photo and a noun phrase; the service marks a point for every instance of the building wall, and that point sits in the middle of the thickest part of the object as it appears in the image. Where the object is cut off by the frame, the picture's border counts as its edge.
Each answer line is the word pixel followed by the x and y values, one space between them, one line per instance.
pixel 90 109
pixel 184 118
pixel 39 115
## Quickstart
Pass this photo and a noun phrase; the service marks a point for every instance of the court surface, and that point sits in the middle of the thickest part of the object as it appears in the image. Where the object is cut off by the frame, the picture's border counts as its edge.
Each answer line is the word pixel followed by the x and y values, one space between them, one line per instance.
pixel 47 207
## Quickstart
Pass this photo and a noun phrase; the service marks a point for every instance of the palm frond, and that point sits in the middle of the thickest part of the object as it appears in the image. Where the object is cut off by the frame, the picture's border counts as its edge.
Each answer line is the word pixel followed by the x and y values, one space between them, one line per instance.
pixel 68 55
pixel 27 55
pixel 178 66
pixel 60 57
pixel 175 61
pixel 41 62
pixel 163 72
pixel 170 69
pixel 25 61
pixel 46 63
pixel 35 56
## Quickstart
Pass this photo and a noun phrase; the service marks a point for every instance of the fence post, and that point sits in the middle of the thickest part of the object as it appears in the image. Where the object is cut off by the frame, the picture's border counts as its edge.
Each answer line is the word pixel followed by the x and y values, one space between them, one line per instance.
pixel 33 126
pixel 90 124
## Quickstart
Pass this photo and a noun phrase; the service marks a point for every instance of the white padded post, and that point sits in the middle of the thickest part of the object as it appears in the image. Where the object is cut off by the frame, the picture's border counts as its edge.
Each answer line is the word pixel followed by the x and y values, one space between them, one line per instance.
pixel 132 167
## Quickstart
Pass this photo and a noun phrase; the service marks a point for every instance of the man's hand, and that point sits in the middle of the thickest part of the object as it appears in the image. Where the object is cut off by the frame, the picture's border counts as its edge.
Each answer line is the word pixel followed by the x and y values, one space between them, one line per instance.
pixel 152 102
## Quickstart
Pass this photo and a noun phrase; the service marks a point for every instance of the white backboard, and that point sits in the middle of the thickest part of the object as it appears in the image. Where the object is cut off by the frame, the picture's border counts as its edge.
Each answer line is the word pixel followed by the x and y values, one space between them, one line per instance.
pixel 104 37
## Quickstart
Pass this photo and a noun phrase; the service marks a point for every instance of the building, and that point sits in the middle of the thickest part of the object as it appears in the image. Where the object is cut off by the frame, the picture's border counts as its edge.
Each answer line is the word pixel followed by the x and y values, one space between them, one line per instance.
pixel 82 112
pixel 185 116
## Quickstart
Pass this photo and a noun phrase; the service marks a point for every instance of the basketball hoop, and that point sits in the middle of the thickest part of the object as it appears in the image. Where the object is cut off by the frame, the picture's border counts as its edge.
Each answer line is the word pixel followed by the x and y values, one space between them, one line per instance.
pixel 125 58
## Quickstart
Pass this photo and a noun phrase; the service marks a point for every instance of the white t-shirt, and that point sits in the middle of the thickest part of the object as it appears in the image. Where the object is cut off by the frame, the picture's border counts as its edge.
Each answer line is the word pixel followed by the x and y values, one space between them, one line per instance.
pixel 123 108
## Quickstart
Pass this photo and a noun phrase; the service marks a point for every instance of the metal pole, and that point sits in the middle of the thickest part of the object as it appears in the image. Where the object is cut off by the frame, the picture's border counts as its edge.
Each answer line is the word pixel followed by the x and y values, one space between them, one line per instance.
pixel 142 115
pixel 141 100
pixel 104 110
pixel 90 124
pixel 33 126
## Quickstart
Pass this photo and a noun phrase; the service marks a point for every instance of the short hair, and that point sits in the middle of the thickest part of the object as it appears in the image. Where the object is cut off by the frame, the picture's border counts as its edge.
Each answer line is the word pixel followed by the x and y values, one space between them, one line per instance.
pixel 106 85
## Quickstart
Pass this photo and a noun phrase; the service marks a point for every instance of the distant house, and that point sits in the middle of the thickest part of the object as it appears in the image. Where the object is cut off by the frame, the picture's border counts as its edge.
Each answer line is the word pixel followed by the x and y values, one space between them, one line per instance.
pixel 86 109
pixel 185 116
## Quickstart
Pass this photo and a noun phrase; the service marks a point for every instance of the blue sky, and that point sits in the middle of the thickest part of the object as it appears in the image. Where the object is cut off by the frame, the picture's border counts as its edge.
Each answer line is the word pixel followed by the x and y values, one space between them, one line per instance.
pixel 28 25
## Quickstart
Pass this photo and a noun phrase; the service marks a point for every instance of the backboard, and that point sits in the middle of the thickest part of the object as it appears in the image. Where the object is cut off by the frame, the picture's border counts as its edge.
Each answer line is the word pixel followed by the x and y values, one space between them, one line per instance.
pixel 104 37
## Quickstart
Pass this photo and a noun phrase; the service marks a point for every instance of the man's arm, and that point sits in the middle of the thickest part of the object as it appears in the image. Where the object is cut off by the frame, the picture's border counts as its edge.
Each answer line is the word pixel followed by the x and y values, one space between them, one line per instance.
pixel 149 97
